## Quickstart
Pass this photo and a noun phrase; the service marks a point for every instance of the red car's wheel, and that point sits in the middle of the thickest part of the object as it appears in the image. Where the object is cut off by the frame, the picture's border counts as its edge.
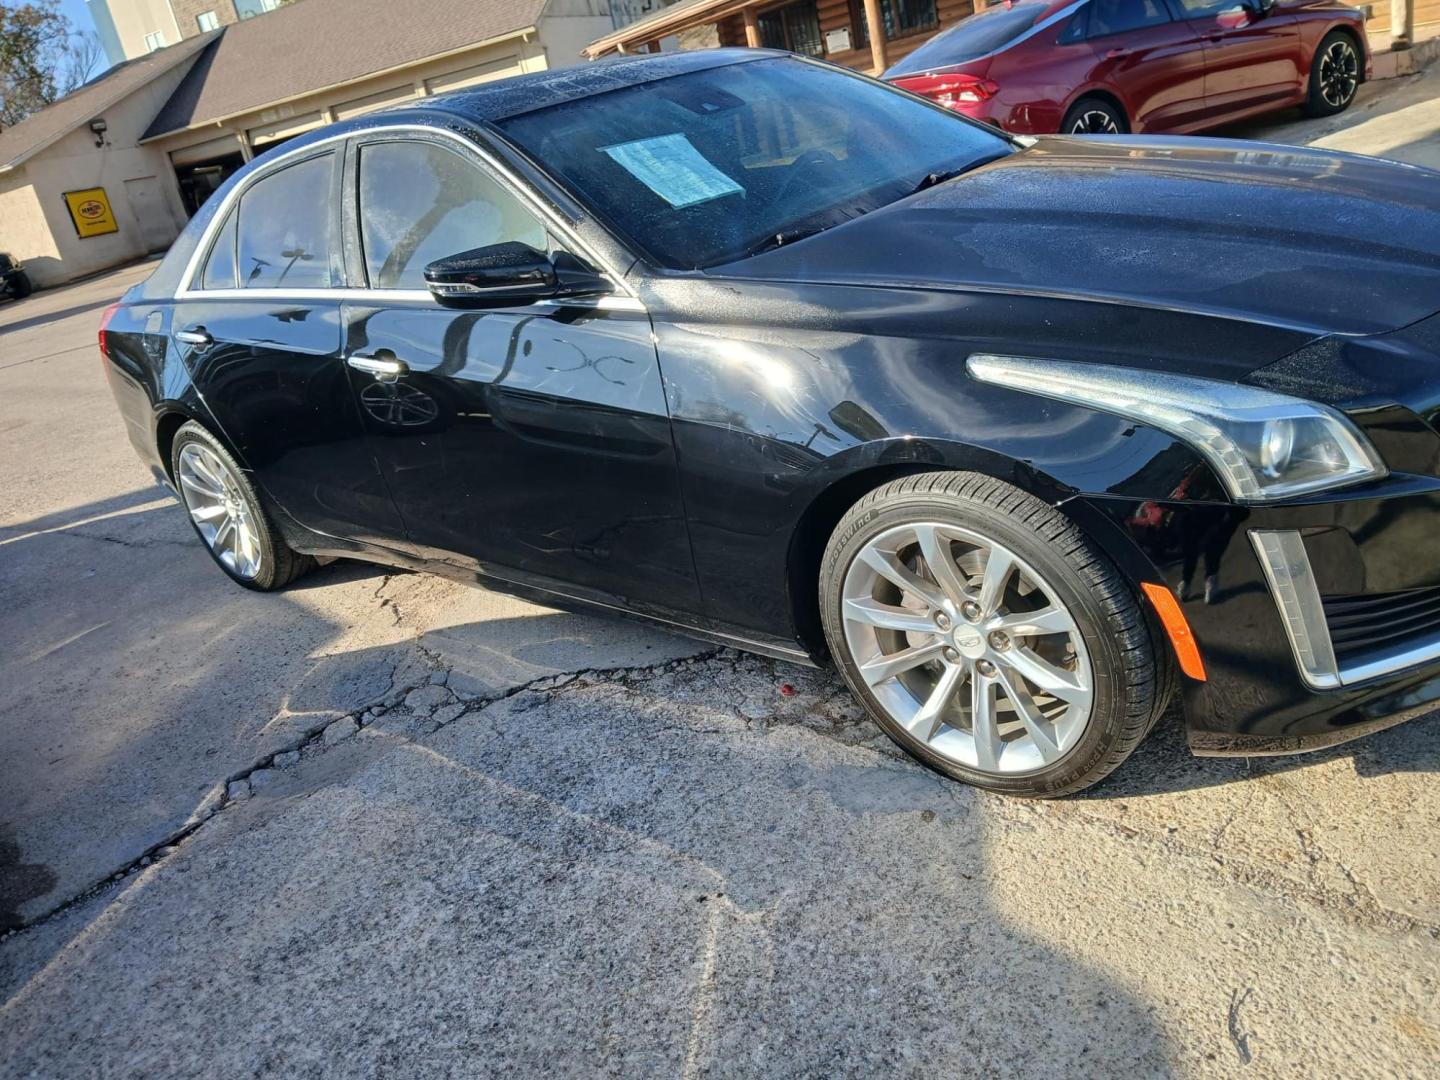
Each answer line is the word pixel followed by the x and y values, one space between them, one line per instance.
pixel 1094 116
pixel 1334 76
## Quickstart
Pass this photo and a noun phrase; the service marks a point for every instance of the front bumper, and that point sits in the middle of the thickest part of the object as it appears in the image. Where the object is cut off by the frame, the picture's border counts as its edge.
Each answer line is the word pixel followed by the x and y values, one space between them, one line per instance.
pixel 1260 587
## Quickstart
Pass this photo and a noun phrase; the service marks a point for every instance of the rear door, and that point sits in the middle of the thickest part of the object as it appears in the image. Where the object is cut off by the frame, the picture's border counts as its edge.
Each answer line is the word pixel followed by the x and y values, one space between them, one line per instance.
pixel 530 442
pixel 1157 63
pixel 259 328
pixel 1251 61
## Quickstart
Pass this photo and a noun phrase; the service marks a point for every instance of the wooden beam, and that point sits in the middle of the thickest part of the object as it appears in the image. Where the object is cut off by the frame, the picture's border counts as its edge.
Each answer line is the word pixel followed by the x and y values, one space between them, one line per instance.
pixel 752 28
pixel 875 24
pixel 1402 24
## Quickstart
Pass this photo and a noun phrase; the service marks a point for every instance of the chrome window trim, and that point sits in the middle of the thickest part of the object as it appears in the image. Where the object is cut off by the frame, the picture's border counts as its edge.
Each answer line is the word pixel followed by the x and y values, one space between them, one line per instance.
pixel 501 173
pixel 404 296
pixel 1328 674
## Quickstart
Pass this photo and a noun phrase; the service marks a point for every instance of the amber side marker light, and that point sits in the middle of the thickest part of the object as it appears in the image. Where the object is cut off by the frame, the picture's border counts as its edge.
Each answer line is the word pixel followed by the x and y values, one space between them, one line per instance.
pixel 1187 651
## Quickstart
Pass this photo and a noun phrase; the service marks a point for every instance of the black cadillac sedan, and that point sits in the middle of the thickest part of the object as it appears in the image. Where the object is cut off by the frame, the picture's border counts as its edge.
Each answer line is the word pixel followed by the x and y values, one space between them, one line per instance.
pixel 1020 434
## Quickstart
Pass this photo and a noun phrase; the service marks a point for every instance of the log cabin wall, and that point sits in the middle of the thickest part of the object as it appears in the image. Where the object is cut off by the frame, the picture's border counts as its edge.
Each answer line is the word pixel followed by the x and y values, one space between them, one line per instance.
pixel 840 15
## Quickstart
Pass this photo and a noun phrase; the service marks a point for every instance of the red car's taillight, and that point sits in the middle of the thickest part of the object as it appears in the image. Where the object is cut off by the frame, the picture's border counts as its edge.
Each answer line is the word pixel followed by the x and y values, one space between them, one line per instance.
pixel 950 90
pixel 105 325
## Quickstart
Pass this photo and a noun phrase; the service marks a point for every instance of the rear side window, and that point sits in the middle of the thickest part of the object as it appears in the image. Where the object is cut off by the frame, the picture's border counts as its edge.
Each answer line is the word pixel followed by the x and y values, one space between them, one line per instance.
pixel 1118 16
pixel 971 38
pixel 420 202
pixel 287 228
pixel 220 267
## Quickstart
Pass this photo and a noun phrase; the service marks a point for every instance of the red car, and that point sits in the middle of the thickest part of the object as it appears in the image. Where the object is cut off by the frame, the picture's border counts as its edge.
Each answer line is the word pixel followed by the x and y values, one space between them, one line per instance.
pixel 1142 66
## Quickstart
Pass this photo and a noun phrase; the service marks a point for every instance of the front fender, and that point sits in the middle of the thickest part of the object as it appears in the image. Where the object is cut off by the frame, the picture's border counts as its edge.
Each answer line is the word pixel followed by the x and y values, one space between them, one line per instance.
pixel 770 422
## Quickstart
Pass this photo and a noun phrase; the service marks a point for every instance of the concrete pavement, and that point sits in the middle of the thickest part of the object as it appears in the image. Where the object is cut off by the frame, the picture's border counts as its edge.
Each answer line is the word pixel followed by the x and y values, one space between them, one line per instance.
pixel 1394 118
pixel 382 824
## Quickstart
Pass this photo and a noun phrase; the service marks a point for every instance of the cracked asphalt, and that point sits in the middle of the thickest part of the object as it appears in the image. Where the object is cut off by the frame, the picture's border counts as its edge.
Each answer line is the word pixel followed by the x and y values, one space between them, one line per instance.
pixel 382 825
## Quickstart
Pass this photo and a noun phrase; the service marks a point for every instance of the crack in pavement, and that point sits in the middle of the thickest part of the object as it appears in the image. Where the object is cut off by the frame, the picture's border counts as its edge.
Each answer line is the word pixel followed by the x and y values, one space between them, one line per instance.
pixel 424 703
pixel 220 795
pixel 1238 1035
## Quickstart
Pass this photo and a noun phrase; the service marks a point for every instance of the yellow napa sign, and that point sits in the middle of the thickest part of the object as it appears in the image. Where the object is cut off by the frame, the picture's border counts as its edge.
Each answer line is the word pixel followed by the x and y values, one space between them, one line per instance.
pixel 91 213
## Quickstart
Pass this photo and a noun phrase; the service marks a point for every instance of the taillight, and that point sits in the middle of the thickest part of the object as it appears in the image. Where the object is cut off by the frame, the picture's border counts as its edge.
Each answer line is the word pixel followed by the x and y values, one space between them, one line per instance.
pixel 104 326
pixel 950 90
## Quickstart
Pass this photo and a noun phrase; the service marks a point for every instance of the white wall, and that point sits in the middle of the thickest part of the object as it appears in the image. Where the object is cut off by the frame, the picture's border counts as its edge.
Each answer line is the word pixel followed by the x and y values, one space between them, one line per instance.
pixel 135 18
pixel 565 35
pixel 75 163
pixel 23 230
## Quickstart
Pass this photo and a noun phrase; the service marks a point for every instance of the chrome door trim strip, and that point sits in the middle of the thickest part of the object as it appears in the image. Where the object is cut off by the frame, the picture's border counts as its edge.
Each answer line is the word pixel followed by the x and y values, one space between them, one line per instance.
pixel 404 296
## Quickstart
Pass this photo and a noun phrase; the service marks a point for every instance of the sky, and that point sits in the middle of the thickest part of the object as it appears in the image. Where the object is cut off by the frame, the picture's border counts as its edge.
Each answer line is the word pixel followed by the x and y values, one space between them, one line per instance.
pixel 78 14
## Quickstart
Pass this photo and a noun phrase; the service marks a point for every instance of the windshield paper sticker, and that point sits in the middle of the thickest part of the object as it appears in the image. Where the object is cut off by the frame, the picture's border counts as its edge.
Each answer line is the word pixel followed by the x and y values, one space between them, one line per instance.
pixel 669 166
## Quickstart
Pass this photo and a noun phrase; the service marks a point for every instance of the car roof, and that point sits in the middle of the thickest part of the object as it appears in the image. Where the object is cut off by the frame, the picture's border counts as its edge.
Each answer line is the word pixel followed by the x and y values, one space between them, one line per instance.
pixel 506 98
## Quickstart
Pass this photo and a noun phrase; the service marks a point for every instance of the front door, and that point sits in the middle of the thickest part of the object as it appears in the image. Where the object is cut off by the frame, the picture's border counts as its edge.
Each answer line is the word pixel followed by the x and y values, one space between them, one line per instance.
pixel 1251 60
pixel 530 443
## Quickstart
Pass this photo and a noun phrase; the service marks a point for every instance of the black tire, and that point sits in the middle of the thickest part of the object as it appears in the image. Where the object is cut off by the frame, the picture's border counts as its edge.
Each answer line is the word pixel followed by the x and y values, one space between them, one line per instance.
pixel 21 286
pixel 279 564
pixel 1095 116
pixel 1335 75
pixel 1133 674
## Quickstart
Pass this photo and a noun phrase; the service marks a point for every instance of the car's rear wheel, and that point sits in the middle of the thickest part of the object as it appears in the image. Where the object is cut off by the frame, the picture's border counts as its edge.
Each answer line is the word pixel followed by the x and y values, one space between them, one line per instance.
pixel 21 286
pixel 1334 75
pixel 1094 116
pixel 988 636
pixel 228 516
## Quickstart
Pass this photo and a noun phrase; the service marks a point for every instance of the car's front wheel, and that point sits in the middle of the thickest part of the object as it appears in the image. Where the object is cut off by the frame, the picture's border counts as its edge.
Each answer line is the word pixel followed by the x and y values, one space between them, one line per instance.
pixel 228 516
pixel 1334 75
pixel 988 636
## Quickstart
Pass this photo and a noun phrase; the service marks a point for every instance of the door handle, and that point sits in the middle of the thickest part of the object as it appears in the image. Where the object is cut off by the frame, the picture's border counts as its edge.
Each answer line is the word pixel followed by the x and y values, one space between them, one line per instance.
pixel 386 369
pixel 195 336
pixel 1117 54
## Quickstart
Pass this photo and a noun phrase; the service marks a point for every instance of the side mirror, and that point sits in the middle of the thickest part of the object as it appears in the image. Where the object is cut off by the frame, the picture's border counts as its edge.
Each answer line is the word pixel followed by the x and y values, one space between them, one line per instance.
pixel 503 275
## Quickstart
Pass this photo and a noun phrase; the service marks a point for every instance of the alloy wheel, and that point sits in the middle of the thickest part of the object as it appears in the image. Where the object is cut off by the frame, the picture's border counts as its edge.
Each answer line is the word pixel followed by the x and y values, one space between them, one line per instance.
pixel 967 648
pixel 218 507
pixel 1095 122
pixel 1339 73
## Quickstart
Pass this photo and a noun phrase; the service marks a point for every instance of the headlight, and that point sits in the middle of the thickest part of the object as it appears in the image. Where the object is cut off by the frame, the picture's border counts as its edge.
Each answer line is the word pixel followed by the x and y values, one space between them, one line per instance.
pixel 1265 446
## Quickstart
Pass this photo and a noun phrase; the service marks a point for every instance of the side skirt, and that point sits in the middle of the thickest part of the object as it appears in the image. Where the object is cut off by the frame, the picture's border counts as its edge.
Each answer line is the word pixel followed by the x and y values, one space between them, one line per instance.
pixel 333 547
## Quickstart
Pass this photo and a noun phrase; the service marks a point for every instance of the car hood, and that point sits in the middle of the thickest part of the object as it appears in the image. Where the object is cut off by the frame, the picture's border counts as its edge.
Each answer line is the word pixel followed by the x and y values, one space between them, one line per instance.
pixel 1308 240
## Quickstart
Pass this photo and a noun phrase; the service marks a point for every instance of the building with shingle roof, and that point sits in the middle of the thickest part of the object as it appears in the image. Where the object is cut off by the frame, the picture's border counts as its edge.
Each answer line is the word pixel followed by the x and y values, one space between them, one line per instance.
pixel 175 123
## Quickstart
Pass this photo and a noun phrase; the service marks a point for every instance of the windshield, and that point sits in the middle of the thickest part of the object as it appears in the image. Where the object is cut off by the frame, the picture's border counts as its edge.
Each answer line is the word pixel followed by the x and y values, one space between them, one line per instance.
pixel 972 38
pixel 707 167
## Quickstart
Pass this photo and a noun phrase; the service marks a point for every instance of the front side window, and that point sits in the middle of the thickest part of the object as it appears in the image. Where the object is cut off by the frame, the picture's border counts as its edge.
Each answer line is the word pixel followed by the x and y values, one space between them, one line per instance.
pixel 286 228
pixel 420 202
pixel 701 168
pixel 1118 16
pixel 1200 9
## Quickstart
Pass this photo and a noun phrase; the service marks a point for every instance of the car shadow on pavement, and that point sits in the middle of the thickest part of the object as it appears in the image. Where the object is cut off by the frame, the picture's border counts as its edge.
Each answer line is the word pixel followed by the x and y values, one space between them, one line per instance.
pixel 630 874
pixel 42 318
pixel 74 515
pixel 1163 763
